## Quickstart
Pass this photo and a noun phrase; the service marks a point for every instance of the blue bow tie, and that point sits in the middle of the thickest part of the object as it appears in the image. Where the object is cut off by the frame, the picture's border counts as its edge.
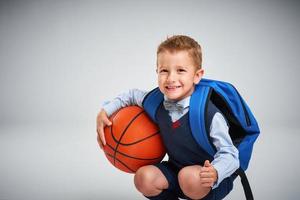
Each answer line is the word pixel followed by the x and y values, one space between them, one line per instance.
pixel 173 106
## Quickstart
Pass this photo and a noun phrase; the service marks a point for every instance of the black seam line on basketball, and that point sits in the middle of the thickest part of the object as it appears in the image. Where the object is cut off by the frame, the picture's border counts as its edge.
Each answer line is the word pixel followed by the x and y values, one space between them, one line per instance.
pixel 111 130
pixel 132 156
pixel 128 144
pixel 123 133
pixel 120 162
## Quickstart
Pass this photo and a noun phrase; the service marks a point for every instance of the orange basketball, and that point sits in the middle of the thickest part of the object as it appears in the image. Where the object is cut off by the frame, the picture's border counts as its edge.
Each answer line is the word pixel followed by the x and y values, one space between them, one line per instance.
pixel 132 140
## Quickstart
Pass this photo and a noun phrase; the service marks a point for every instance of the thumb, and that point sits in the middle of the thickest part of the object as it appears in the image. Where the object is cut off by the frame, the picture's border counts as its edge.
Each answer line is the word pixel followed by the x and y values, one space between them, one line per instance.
pixel 104 118
pixel 106 121
pixel 207 163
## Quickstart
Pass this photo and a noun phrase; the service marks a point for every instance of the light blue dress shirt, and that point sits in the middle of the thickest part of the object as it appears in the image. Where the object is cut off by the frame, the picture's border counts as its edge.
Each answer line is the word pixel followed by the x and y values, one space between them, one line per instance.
pixel 226 159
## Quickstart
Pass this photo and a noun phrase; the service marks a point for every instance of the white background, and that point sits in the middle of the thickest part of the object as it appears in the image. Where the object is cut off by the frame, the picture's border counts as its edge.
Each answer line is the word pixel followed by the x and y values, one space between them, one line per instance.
pixel 60 60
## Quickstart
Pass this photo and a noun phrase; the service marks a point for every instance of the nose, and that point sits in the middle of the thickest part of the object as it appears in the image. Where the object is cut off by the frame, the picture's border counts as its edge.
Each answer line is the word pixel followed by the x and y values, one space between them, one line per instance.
pixel 171 77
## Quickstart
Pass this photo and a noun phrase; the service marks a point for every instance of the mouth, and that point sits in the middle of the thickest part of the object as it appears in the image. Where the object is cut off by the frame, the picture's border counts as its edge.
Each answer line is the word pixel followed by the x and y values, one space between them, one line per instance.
pixel 172 87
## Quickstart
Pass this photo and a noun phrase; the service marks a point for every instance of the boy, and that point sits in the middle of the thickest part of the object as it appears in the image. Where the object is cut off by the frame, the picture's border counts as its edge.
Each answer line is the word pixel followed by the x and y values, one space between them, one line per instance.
pixel 188 173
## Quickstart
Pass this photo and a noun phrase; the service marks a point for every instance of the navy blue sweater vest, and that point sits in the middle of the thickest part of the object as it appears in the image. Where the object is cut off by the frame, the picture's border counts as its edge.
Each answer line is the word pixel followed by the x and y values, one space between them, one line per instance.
pixel 181 146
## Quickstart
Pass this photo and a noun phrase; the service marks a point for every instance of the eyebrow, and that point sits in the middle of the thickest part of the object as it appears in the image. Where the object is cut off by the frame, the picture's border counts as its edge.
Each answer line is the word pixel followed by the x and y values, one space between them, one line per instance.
pixel 179 66
pixel 159 67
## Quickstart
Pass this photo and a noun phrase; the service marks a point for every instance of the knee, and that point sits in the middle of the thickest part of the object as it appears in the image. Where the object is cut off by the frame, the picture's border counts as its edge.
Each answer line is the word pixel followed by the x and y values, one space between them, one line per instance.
pixel 189 181
pixel 142 179
pixel 146 181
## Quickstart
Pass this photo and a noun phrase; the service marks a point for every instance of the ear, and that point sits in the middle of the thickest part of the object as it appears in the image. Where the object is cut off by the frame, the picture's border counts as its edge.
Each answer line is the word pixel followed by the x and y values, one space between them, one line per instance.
pixel 198 75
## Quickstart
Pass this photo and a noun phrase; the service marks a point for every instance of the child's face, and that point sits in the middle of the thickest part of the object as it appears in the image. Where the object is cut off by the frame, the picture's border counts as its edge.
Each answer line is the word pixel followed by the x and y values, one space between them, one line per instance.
pixel 177 74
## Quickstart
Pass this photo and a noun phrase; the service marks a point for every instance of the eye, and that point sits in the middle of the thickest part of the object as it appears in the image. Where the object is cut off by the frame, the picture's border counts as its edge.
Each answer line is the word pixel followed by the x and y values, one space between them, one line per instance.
pixel 181 70
pixel 163 71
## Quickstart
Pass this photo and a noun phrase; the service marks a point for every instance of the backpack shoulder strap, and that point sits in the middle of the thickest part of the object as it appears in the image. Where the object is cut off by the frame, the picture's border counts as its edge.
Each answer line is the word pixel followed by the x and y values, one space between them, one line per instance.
pixel 198 106
pixel 152 101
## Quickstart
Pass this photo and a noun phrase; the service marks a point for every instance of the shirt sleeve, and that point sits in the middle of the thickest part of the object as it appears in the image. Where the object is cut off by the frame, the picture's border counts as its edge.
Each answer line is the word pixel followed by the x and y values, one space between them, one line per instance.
pixel 127 98
pixel 226 159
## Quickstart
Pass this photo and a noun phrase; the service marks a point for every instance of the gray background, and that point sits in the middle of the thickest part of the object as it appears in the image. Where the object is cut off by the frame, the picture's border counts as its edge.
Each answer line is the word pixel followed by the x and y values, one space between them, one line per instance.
pixel 59 60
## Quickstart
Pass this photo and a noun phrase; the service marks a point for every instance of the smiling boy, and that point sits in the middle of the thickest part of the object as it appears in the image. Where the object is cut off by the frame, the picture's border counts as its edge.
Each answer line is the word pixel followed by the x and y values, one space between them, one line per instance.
pixel 190 172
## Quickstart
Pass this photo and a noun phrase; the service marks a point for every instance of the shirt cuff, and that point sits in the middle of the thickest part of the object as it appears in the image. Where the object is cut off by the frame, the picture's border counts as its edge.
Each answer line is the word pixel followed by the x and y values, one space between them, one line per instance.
pixel 220 176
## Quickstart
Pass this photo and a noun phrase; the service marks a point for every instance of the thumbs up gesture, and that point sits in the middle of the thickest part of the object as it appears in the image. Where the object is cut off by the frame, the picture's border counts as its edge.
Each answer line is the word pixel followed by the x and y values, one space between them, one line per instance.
pixel 208 174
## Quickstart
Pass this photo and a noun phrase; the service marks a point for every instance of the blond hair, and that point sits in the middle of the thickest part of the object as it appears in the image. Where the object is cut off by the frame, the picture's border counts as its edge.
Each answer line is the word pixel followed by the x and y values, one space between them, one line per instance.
pixel 182 43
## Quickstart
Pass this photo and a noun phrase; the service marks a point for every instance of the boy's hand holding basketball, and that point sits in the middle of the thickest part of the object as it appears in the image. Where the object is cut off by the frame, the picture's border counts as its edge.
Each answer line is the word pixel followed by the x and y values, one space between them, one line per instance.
pixel 102 121
pixel 208 174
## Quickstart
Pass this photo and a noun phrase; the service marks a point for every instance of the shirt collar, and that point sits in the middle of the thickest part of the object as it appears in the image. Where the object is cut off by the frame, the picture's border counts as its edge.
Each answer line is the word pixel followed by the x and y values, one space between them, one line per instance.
pixel 184 102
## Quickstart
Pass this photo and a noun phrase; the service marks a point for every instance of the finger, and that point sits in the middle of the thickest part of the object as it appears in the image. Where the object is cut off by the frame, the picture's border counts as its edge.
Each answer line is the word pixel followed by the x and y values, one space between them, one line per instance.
pixel 208 181
pixel 99 142
pixel 101 135
pixel 207 163
pixel 206 175
pixel 204 170
pixel 106 121
pixel 207 184
pixel 104 118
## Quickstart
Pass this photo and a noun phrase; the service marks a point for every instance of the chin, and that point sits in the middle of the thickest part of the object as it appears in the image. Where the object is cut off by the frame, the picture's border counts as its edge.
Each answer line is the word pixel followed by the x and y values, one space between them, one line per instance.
pixel 173 97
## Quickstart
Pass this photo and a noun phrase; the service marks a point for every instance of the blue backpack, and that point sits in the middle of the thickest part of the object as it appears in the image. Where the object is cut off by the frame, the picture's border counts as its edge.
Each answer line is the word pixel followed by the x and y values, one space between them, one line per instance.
pixel 243 128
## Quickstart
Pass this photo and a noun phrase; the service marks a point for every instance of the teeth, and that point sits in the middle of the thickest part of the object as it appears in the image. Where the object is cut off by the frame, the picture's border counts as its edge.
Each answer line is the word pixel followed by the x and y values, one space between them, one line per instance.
pixel 172 87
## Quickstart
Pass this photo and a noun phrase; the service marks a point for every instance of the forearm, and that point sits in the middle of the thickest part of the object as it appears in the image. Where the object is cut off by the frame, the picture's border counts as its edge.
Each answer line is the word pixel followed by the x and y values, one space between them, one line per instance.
pixel 226 162
pixel 128 98
pixel 226 159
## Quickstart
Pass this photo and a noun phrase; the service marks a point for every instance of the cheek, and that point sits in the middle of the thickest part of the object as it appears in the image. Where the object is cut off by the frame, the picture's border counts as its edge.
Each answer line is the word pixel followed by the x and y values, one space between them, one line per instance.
pixel 159 81
pixel 160 86
pixel 188 80
pixel 161 78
